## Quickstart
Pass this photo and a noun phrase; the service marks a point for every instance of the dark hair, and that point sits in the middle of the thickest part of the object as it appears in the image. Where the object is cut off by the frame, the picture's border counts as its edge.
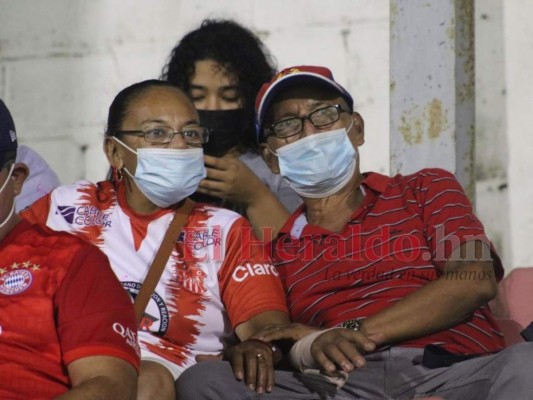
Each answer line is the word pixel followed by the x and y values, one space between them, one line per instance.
pixel 119 107
pixel 236 49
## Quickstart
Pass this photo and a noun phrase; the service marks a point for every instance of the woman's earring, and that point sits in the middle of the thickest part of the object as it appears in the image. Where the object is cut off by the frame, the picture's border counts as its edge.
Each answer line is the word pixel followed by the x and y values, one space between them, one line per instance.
pixel 117 175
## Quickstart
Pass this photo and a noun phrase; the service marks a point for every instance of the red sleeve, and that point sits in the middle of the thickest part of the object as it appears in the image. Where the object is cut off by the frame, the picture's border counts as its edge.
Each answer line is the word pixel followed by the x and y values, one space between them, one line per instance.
pixel 37 213
pixel 249 283
pixel 95 315
pixel 448 217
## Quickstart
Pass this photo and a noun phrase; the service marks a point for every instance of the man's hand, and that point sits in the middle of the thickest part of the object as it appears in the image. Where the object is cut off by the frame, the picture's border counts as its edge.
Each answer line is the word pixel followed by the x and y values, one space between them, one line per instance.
pixel 337 348
pixel 341 348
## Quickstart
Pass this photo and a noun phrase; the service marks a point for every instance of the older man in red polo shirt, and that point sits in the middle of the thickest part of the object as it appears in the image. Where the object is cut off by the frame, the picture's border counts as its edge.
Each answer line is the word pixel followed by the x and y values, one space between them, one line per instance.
pixel 387 278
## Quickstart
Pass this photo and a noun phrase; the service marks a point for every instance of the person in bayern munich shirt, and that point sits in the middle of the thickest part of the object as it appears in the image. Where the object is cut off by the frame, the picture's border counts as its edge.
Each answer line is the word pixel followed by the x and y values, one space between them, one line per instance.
pixel 67 328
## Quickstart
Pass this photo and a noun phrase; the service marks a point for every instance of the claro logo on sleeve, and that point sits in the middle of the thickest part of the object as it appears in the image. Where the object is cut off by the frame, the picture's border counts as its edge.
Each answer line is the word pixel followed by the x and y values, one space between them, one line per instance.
pixel 242 272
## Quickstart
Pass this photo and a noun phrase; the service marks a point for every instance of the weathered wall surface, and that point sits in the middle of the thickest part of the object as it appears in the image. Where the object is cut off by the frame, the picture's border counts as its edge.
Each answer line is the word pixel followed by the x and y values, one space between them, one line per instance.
pixel 62 62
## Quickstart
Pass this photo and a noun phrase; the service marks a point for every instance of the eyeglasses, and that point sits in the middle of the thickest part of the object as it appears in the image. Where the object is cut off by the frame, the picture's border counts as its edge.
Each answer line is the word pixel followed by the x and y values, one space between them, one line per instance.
pixel 193 136
pixel 319 118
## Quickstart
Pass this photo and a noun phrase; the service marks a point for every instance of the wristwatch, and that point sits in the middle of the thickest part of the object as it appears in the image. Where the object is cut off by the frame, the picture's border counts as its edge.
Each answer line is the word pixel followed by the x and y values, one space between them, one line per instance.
pixel 353 324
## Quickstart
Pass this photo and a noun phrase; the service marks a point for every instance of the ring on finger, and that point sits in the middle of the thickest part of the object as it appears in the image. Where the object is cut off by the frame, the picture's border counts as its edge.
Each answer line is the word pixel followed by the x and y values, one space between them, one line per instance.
pixel 260 356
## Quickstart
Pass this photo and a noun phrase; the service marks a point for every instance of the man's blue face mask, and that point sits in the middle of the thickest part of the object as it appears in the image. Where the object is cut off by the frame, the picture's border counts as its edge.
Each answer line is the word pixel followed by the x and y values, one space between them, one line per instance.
pixel 318 165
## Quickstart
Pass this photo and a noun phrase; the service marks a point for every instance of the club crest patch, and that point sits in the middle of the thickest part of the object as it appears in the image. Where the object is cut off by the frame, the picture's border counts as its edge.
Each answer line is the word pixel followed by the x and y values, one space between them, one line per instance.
pixel 15 282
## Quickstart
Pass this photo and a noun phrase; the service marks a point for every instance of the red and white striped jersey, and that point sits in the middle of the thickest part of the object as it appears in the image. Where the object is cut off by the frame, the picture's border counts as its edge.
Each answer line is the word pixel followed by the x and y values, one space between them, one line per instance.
pixel 396 242
pixel 217 277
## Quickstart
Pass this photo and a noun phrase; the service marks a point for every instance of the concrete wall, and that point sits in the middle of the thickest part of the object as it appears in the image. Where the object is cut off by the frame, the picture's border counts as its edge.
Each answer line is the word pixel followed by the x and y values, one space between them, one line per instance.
pixel 62 62
pixel 504 99
pixel 492 150
pixel 518 33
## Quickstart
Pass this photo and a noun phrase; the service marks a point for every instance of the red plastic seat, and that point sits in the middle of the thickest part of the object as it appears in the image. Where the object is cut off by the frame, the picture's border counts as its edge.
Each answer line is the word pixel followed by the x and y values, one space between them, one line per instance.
pixel 513 306
pixel 515 297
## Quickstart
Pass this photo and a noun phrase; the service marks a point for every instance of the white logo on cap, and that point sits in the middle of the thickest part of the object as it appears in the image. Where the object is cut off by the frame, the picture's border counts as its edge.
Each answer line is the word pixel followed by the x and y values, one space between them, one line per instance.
pixel 13 135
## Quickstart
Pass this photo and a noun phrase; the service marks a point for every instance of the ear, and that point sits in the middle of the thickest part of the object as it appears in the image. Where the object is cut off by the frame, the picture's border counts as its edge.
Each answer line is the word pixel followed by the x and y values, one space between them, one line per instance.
pixel 113 153
pixel 359 129
pixel 270 159
pixel 19 175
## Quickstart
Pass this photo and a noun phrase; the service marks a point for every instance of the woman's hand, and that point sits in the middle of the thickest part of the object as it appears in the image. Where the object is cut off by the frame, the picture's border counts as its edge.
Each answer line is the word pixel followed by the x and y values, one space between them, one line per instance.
pixel 252 361
pixel 230 179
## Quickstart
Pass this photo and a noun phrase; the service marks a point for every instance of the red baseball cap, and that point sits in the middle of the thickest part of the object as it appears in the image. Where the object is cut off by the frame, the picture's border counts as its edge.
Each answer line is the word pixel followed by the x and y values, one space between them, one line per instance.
pixel 300 74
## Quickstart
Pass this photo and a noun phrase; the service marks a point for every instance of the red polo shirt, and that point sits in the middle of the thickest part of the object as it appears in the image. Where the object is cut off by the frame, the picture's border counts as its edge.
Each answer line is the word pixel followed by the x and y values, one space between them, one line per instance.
pixel 396 242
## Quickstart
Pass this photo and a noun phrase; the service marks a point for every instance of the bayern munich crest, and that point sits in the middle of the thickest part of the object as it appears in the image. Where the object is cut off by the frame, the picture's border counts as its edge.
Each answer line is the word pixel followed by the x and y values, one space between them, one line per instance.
pixel 15 282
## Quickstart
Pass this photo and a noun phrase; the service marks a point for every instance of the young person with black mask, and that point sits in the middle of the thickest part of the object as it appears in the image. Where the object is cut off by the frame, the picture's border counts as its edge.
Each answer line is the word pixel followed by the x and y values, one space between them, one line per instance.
pixel 221 65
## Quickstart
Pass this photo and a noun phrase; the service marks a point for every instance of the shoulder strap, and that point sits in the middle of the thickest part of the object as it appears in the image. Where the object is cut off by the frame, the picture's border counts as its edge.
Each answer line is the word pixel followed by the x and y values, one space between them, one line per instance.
pixel 161 258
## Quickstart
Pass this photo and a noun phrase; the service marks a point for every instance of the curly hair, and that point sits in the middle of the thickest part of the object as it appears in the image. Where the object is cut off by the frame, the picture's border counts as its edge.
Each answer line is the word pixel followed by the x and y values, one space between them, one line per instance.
pixel 236 49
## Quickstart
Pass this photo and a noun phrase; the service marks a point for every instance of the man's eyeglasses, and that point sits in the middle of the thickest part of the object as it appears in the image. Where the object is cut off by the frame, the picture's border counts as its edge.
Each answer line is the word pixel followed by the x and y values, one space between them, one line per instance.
pixel 319 118
pixel 193 136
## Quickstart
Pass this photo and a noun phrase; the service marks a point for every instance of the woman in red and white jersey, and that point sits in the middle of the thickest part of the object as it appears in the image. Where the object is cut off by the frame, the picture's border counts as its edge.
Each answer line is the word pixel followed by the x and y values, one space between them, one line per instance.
pixel 218 284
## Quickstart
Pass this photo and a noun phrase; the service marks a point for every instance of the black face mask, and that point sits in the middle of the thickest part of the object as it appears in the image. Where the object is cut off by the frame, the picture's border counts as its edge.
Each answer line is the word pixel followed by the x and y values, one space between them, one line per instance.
pixel 227 129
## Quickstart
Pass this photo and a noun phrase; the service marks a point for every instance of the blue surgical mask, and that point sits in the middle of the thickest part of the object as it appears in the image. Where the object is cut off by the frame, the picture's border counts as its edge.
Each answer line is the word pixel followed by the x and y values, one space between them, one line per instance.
pixel 1 190
pixel 167 176
pixel 318 165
